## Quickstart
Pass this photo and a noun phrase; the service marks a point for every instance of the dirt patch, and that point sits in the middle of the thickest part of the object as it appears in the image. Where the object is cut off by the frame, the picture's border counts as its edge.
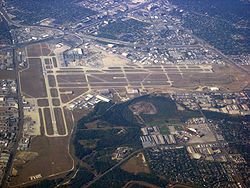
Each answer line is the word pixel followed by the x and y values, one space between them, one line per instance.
pixel 136 164
pixel 143 108
pixel 23 157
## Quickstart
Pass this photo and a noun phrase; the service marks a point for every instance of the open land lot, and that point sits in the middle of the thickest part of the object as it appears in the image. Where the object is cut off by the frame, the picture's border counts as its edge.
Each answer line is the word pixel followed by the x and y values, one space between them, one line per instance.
pixel 42 102
pixel 66 84
pixel 59 121
pixel 53 159
pixel 46 51
pixel 54 92
pixel 48 121
pixel 32 80
pixel 54 62
pixel 70 93
pixel 54 88
pixel 56 121
pixel 56 102
pixel 34 50
pixel 5 74
pixel 52 81
pixel 136 164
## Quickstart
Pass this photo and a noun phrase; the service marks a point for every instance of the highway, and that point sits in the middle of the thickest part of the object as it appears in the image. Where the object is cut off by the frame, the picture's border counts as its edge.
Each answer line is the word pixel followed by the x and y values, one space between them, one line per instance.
pixel 138 151
pixel 20 108
pixel 20 122
pixel 5 16
pixel 118 42
pixel 112 168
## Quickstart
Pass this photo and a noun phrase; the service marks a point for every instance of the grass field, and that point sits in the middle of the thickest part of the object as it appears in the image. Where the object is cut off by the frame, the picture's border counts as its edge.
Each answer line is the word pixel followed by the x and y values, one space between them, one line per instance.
pixel 32 80
pixel 52 158
pixel 136 164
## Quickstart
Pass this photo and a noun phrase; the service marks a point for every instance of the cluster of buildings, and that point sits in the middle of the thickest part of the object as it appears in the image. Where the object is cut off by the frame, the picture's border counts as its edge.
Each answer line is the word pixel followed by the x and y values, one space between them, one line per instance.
pixel 167 43
pixel 4 159
pixel 8 122
pixel 197 130
pixel 105 12
pixel 193 131
pixel 106 5
pixel 121 152
pixel 89 100
pixel 7 87
pixel 193 127
pixel 31 124
pixel 241 59
pixel 31 34
pixel 82 56
pixel 6 60
pixel 229 103
pixel 211 152
pixel 154 55
pixel 151 137
pixel 179 167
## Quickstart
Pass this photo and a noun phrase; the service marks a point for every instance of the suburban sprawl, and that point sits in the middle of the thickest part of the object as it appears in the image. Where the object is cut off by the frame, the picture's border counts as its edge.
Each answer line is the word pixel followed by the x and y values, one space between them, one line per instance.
pixel 124 93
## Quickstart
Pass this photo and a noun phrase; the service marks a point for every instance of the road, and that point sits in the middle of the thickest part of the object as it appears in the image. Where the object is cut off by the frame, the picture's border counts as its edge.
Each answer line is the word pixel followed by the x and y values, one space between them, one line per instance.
pixel 20 122
pixel 119 42
pixel 141 150
pixel 112 168
pixel 5 16
pixel 235 174
pixel 20 113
